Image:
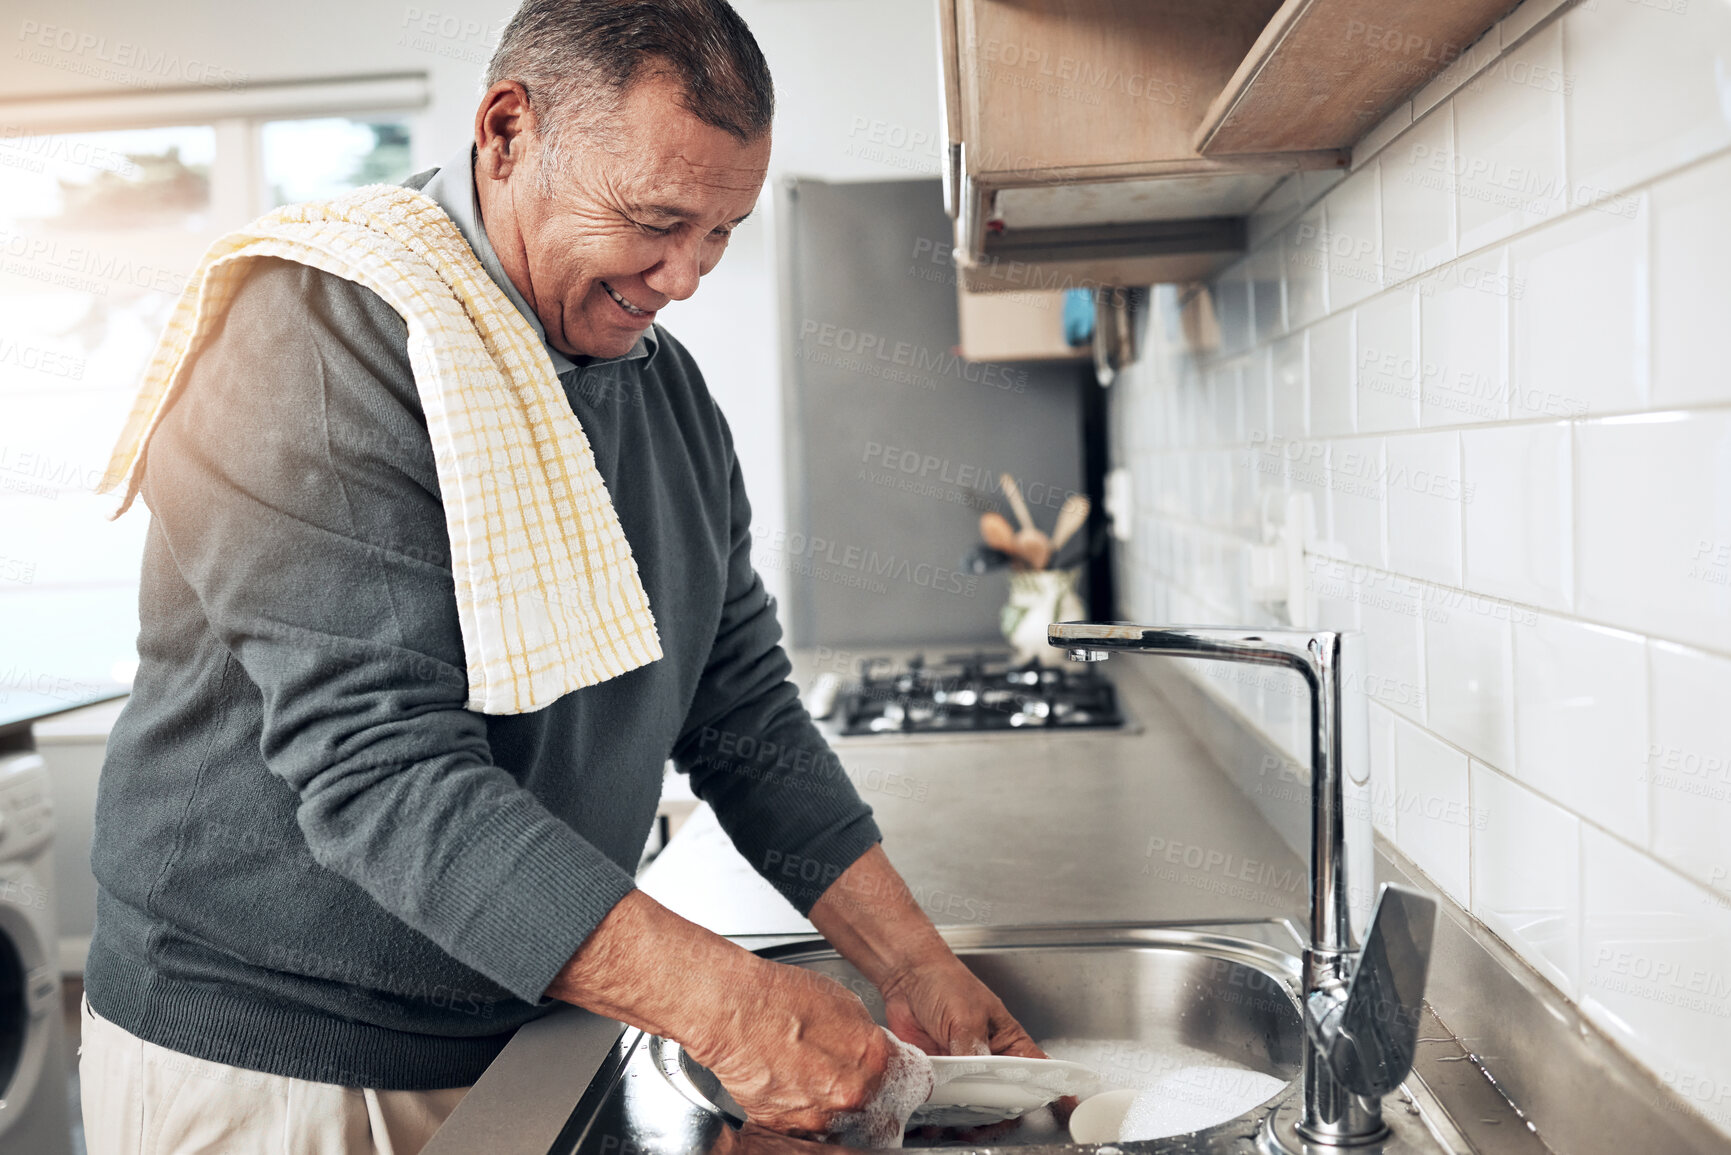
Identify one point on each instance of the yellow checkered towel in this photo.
(548, 595)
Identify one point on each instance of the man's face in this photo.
(635, 221)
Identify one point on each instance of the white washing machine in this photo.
(33, 1083)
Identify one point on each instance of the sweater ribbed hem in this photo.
(225, 1025)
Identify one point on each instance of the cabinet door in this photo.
(1015, 327)
(1055, 88)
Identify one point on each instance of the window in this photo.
(307, 160)
(99, 232)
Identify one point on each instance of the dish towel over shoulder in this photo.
(548, 595)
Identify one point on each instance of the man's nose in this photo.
(680, 269)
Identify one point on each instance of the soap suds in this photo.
(907, 1083)
(1192, 1098)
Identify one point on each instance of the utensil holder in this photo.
(1037, 599)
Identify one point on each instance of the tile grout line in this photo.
(1643, 186)
(1716, 897)
(1561, 615)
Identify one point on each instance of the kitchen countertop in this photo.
(1007, 829)
(1021, 827)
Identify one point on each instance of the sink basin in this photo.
(1134, 1002)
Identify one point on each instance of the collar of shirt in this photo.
(453, 187)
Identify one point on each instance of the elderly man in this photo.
(329, 891)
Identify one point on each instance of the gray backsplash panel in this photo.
(893, 441)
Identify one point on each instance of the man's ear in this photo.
(504, 116)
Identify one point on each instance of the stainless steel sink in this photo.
(1146, 994)
(1228, 990)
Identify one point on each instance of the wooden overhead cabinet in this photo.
(1015, 327)
(1123, 142)
(1324, 72)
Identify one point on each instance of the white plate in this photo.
(971, 1091)
(1178, 1103)
(1099, 1119)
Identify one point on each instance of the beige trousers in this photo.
(142, 1099)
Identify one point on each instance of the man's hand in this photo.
(941, 1008)
(931, 999)
(806, 1050)
(793, 1047)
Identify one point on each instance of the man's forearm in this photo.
(646, 966)
(873, 919)
(931, 999)
(649, 967)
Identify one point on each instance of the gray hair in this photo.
(576, 58)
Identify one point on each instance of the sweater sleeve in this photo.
(295, 487)
(754, 754)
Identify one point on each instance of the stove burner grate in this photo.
(972, 693)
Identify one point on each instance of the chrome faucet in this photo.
(1364, 973)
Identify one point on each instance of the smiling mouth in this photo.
(624, 304)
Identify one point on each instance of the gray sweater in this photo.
(312, 860)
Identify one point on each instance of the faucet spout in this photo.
(1342, 1106)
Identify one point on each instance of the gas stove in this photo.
(970, 693)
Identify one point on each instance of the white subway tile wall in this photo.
(1433, 821)
(1425, 496)
(1526, 877)
(1463, 335)
(1469, 671)
(1581, 720)
(1518, 532)
(1418, 203)
(1494, 356)
(1576, 353)
(1691, 251)
(1386, 361)
(1509, 142)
